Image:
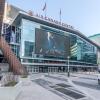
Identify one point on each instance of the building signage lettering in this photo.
(53, 21)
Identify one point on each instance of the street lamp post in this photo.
(68, 67)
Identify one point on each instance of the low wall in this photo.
(8, 77)
(10, 93)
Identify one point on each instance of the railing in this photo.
(14, 64)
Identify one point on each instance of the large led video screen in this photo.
(51, 44)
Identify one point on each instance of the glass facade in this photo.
(12, 35)
(96, 39)
(41, 47)
(28, 48)
(28, 38)
(80, 49)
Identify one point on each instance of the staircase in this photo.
(14, 63)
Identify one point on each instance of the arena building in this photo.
(43, 44)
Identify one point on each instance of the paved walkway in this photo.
(52, 87)
(35, 92)
(59, 87)
(87, 83)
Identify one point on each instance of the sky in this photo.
(84, 15)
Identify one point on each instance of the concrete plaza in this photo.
(54, 86)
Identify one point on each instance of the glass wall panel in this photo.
(81, 50)
(28, 37)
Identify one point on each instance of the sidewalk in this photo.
(92, 76)
(52, 87)
(87, 83)
(34, 91)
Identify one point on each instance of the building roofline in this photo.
(95, 35)
(51, 24)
